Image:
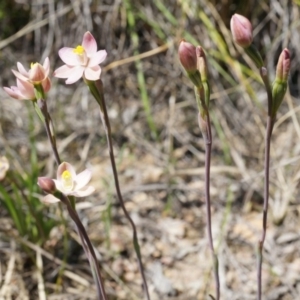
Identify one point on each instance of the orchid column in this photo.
(241, 29)
(83, 61)
(193, 60)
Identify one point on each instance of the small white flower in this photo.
(70, 183)
(82, 61)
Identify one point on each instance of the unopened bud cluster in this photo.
(194, 61)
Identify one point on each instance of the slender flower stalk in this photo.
(194, 61)
(241, 29)
(96, 89)
(205, 126)
(51, 187)
(87, 245)
(83, 61)
(275, 95)
(268, 135)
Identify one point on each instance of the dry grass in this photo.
(161, 178)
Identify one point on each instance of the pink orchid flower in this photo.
(26, 80)
(37, 74)
(67, 182)
(82, 61)
(4, 166)
(23, 91)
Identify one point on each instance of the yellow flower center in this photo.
(33, 64)
(79, 50)
(67, 180)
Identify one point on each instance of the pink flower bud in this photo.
(202, 63)
(47, 184)
(283, 65)
(187, 56)
(37, 73)
(241, 30)
(280, 85)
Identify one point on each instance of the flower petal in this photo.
(68, 56)
(49, 199)
(13, 92)
(89, 43)
(92, 73)
(46, 85)
(76, 75)
(26, 89)
(97, 58)
(46, 66)
(58, 185)
(63, 72)
(82, 179)
(20, 75)
(83, 192)
(63, 167)
(37, 73)
(21, 69)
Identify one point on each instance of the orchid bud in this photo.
(37, 73)
(202, 63)
(280, 83)
(38, 76)
(47, 184)
(203, 69)
(188, 59)
(283, 65)
(241, 30)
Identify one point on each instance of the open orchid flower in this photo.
(4, 166)
(81, 61)
(67, 182)
(37, 74)
(23, 91)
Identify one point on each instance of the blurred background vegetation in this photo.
(159, 149)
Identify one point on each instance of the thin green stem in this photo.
(269, 129)
(42, 106)
(106, 124)
(264, 76)
(90, 253)
(205, 127)
(70, 203)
